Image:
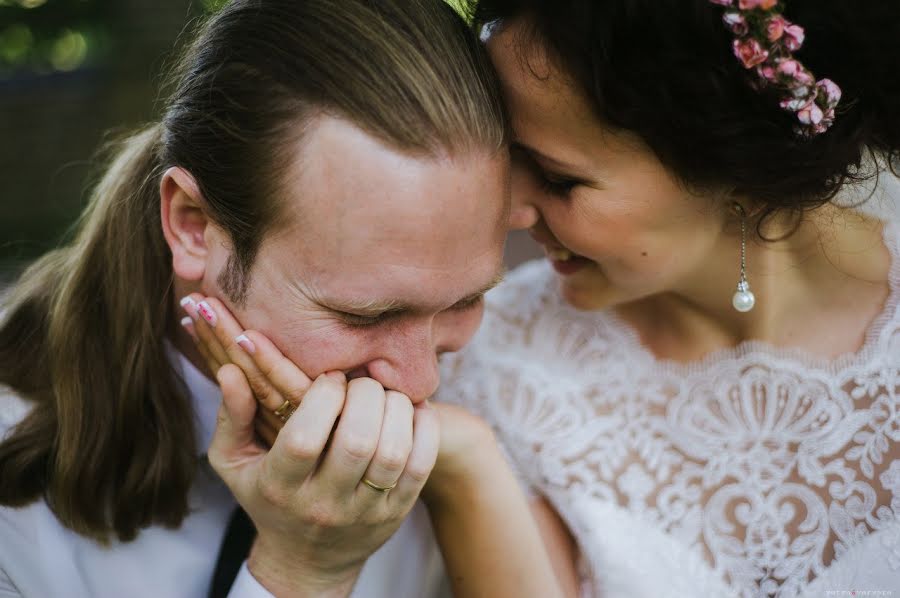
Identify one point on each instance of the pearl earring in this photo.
(743, 299)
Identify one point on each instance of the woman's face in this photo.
(615, 223)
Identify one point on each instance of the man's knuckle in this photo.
(322, 514)
(273, 493)
(418, 474)
(391, 459)
(301, 447)
(357, 446)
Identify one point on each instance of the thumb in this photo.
(234, 440)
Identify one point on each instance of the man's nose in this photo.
(410, 368)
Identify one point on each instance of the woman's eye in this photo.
(557, 185)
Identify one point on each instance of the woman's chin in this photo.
(588, 290)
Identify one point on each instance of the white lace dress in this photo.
(756, 472)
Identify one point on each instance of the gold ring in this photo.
(374, 486)
(285, 411)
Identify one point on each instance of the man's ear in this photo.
(184, 223)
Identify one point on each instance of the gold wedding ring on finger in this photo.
(285, 411)
(378, 488)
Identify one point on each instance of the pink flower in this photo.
(796, 104)
(775, 28)
(808, 112)
(793, 37)
(789, 67)
(827, 121)
(736, 22)
(794, 70)
(749, 52)
(831, 91)
(723, 2)
(763, 4)
(766, 72)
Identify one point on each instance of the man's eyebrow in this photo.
(378, 307)
(497, 279)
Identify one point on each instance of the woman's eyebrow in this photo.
(556, 162)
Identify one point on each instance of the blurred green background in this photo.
(73, 72)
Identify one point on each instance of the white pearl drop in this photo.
(743, 301)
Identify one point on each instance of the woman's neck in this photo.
(817, 290)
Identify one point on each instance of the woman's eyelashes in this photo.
(358, 321)
(552, 184)
(556, 185)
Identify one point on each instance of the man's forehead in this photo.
(346, 181)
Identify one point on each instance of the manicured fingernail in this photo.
(208, 314)
(190, 306)
(188, 324)
(245, 343)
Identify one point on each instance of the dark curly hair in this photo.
(664, 70)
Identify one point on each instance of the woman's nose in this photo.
(522, 213)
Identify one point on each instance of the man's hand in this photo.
(317, 519)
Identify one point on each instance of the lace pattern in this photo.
(759, 468)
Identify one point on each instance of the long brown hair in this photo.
(108, 443)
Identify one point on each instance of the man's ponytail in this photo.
(89, 320)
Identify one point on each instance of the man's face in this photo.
(381, 260)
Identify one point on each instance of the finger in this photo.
(300, 442)
(280, 372)
(240, 350)
(356, 436)
(187, 322)
(266, 432)
(234, 448)
(422, 457)
(205, 329)
(394, 445)
(270, 419)
(190, 323)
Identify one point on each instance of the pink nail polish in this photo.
(188, 325)
(208, 314)
(190, 306)
(245, 343)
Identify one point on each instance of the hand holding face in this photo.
(340, 476)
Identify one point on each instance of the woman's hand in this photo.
(314, 496)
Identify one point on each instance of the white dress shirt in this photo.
(39, 558)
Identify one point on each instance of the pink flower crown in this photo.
(764, 39)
